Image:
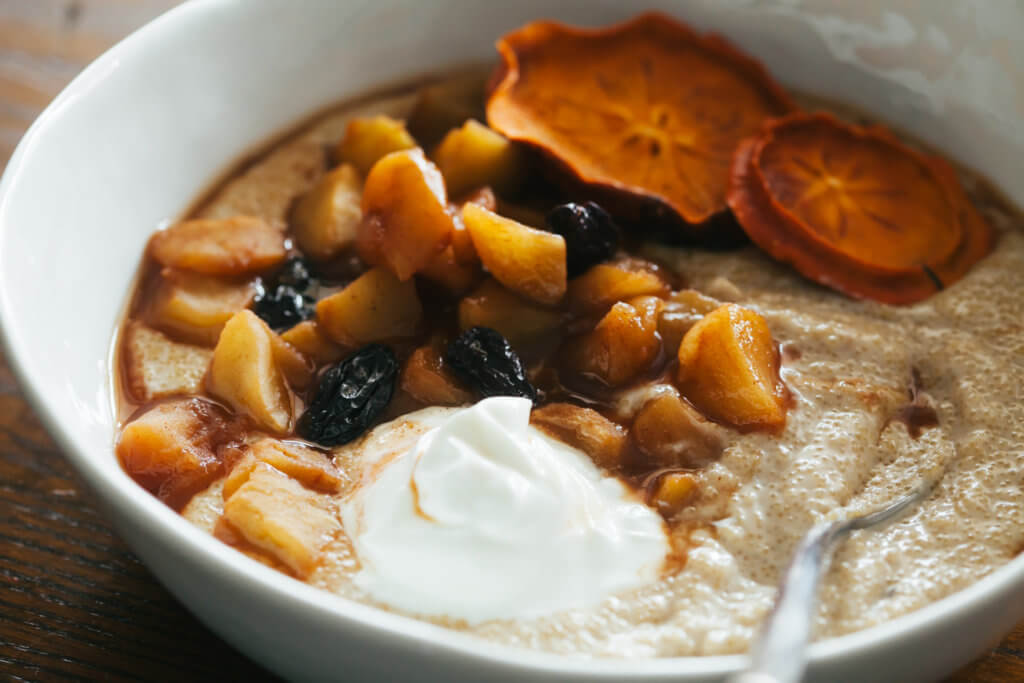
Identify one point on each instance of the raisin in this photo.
(286, 299)
(591, 235)
(486, 361)
(295, 273)
(350, 396)
(282, 307)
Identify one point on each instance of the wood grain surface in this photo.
(75, 603)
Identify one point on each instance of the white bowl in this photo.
(151, 123)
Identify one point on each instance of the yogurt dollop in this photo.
(485, 517)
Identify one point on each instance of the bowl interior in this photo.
(148, 126)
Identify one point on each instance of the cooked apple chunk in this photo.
(268, 187)
(426, 379)
(519, 321)
(462, 243)
(244, 373)
(671, 433)
(310, 340)
(173, 449)
(156, 367)
(368, 139)
(446, 271)
(682, 310)
(623, 345)
(324, 221)
(277, 514)
(474, 155)
(672, 492)
(311, 468)
(375, 307)
(585, 429)
(606, 283)
(231, 246)
(729, 369)
(405, 214)
(296, 368)
(195, 307)
(528, 261)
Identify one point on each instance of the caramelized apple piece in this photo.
(426, 379)
(405, 214)
(606, 283)
(519, 321)
(311, 468)
(268, 188)
(585, 429)
(445, 270)
(195, 307)
(309, 339)
(294, 365)
(156, 367)
(229, 246)
(276, 514)
(682, 310)
(729, 369)
(672, 492)
(172, 450)
(368, 139)
(376, 306)
(442, 106)
(694, 301)
(528, 261)
(623, 345)
(462, 243)
(669, 432)
(245, 375)
(324, 221)
(474, 155)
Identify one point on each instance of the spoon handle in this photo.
(779, 654)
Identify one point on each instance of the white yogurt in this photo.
(485, 517)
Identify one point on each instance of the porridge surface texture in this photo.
(848, 365)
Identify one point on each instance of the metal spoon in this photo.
(779, 653)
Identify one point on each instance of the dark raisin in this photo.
(282, 307)
(487, 362)
(591, 235)
(350, 396)
(295, 273)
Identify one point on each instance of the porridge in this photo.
(570, 353)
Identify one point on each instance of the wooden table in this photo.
(74, 601)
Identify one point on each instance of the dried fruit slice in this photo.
(854, 209)
(648, 108)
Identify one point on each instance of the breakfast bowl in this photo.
(146, 128)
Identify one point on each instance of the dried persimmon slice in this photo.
(854, 209)
(647, 109)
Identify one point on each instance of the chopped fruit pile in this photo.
(429, 264)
